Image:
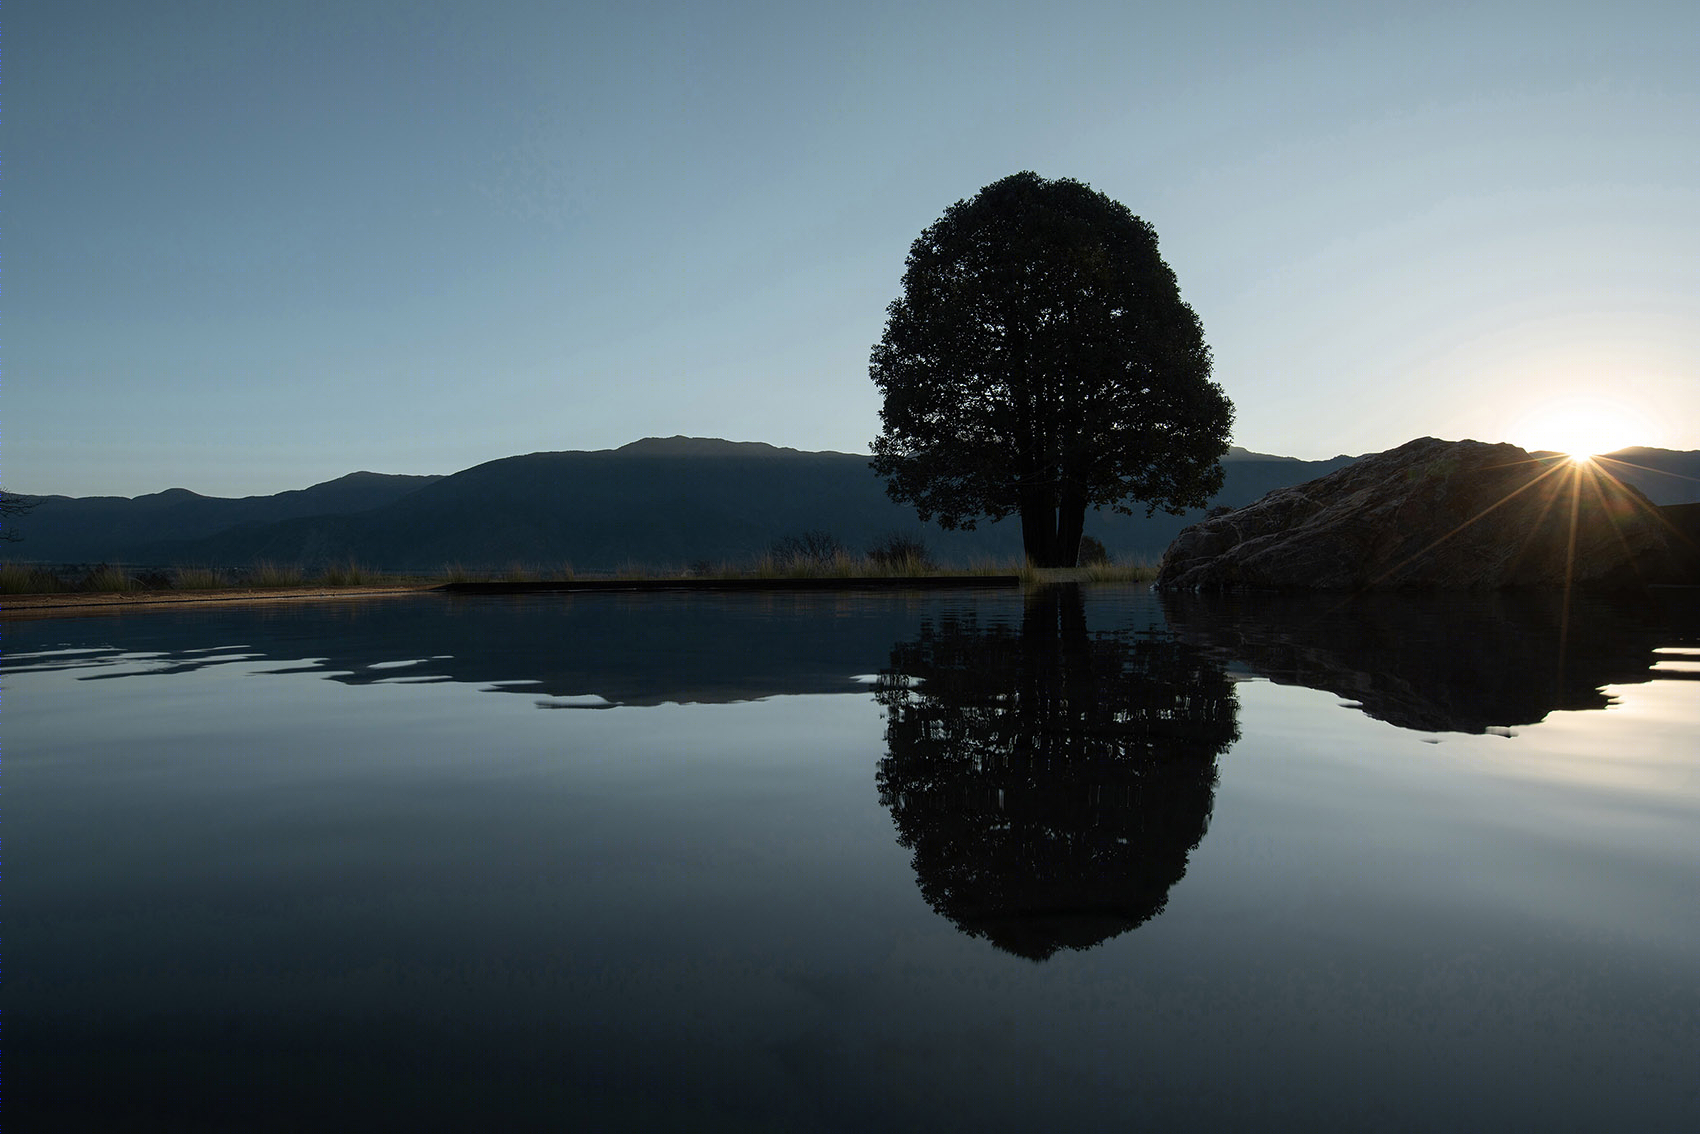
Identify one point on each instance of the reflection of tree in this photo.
(1051, 783)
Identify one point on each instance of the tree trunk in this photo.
(1050, 533)
(1038, 527)
(1071, 523)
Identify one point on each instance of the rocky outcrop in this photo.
(1433, 515)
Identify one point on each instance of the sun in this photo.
(1581, 427)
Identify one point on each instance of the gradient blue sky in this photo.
(252, 246)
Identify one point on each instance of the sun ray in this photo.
(1603, 458)
(1589, 470)
(1599, 477)
(1546, 508)
(1611, 514)
(1576, 471)
(1581, 427)
(1556, 467)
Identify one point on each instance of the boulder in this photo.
(1433, 514)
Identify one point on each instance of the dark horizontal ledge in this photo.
(867, 583)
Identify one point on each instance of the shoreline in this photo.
(99, 601)
(53, 604)
(780, 583)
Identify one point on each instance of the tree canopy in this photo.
(1041, 361)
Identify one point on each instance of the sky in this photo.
(252, 247)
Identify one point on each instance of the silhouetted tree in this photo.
(1041, 361)
(1051, 783)
(12, 505)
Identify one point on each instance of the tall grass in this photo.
(1133, 572)
(347, 574)
(198, 579)
(21, 579)
(840, 564)
(845, 565)
(268, 574)
(18, 578)
(991, 567)
(108, 578)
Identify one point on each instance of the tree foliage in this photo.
(1041, 361)
(11, 504)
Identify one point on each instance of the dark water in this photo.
(809, 862)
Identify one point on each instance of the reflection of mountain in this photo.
(1443, 663)
(575, 650)
(1050, 782)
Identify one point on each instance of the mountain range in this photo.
(657, 502)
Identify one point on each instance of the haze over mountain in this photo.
(1667, 476)
(657, 502)
(73, 529)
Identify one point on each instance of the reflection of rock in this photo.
(1683, 525)
(1050, 783)
(1442, 662)
(1431, 514)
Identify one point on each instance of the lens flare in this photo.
(1581, 428)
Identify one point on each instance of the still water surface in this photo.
(1074, 860)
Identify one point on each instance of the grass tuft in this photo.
(108, 578)
(1140, 572)
(268, 574)
(20, 579)
(348, 574)
(198, 579)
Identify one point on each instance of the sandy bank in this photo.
(95, 601)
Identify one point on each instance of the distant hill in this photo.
(656, 502)
(71, 529)
(670, 501)
(1667, 476)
